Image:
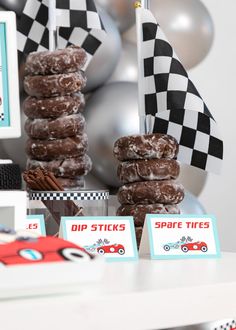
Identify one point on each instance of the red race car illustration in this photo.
(196, 246)
(28, 250)
(115, 248)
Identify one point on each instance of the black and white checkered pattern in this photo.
(33, 34)
(78, 23)
(65, 195)
(81, 13)
(89, 39)
(197, 135)
(172, 103)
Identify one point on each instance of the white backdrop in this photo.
(215, 79)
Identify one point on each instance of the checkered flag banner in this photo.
(89, 39)
(78, 23)
(170, 101)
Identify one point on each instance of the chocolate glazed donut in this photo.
(62, 127)
(47, 150)
(65, 168)
(147, 170)
(53, 107)
(151, 192)
(66, 60)
(146, 147)
(139, 211)
(55, 85)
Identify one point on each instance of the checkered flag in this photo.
(172, 103)
(89, 39)
(78, 23)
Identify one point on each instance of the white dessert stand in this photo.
(13, 206)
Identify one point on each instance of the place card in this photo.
(35, 224)
(13, 206)
(180, 236)
(112, 237)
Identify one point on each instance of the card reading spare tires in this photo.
(180, 236)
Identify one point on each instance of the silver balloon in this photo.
(193, 179)
(191, 205)
(106, 58)
(188, 26)
(122, 11)
(127, 67)
(111, 112)
(15, 148)
(15, 5)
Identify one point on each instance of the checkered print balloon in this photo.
(172, 103)
(78, 23)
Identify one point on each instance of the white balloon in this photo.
(188, 26)
(127, 67)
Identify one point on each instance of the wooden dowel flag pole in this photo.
(52, 25)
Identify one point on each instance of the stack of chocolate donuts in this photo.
(148, 170)
(55, 126)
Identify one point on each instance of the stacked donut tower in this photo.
(55, 126)
(148, 170)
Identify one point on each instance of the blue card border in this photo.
(133, 235)
(5, 83)
(41, 220)
(182, 216)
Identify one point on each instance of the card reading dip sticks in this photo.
(112, 237)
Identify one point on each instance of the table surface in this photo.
(135, 295)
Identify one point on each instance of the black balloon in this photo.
(15, 5)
